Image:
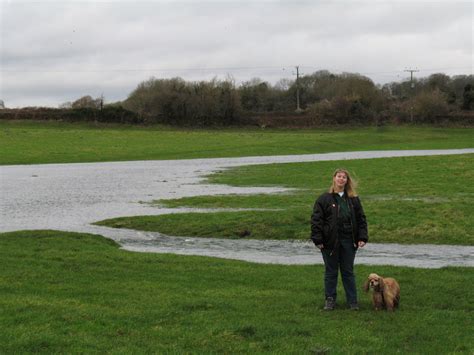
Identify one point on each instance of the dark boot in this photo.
(330, 304)
(354, 306)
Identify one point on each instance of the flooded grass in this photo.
(412, 200)
(79, 293)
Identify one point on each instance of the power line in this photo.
(385, 72)
(213, 69)
(142, 70)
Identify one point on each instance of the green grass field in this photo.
(24, 142)
(415, 200)
(78, 293)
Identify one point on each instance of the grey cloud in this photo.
(114, 45)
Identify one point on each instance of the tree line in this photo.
(325, 98)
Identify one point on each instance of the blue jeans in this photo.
(342, 258)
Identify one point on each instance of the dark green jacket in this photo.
(324, 221)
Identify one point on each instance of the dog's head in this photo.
(374, 282)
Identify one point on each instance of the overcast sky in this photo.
(57, 51)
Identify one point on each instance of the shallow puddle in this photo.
(288, 252)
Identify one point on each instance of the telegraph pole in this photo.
(298, 108)
(412, 86)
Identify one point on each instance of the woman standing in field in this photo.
(338, 229)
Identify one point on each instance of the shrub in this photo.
(108, 114)
(341, 110)
(429, 105)
(176, 101)
(87, 102)
(468, 98)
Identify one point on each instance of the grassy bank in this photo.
(78, 293)
(406, 200)
(24, 142)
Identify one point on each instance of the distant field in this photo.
(74, 293)
(410, 200)
(25, 142)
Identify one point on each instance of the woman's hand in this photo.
(361, 244)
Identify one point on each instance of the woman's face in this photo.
(340, 180)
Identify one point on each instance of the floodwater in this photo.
(70, 197)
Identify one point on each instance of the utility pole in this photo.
(412, 86)
(298, 108)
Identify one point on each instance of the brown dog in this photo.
(386, 292)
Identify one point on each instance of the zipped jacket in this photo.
(324, 221)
